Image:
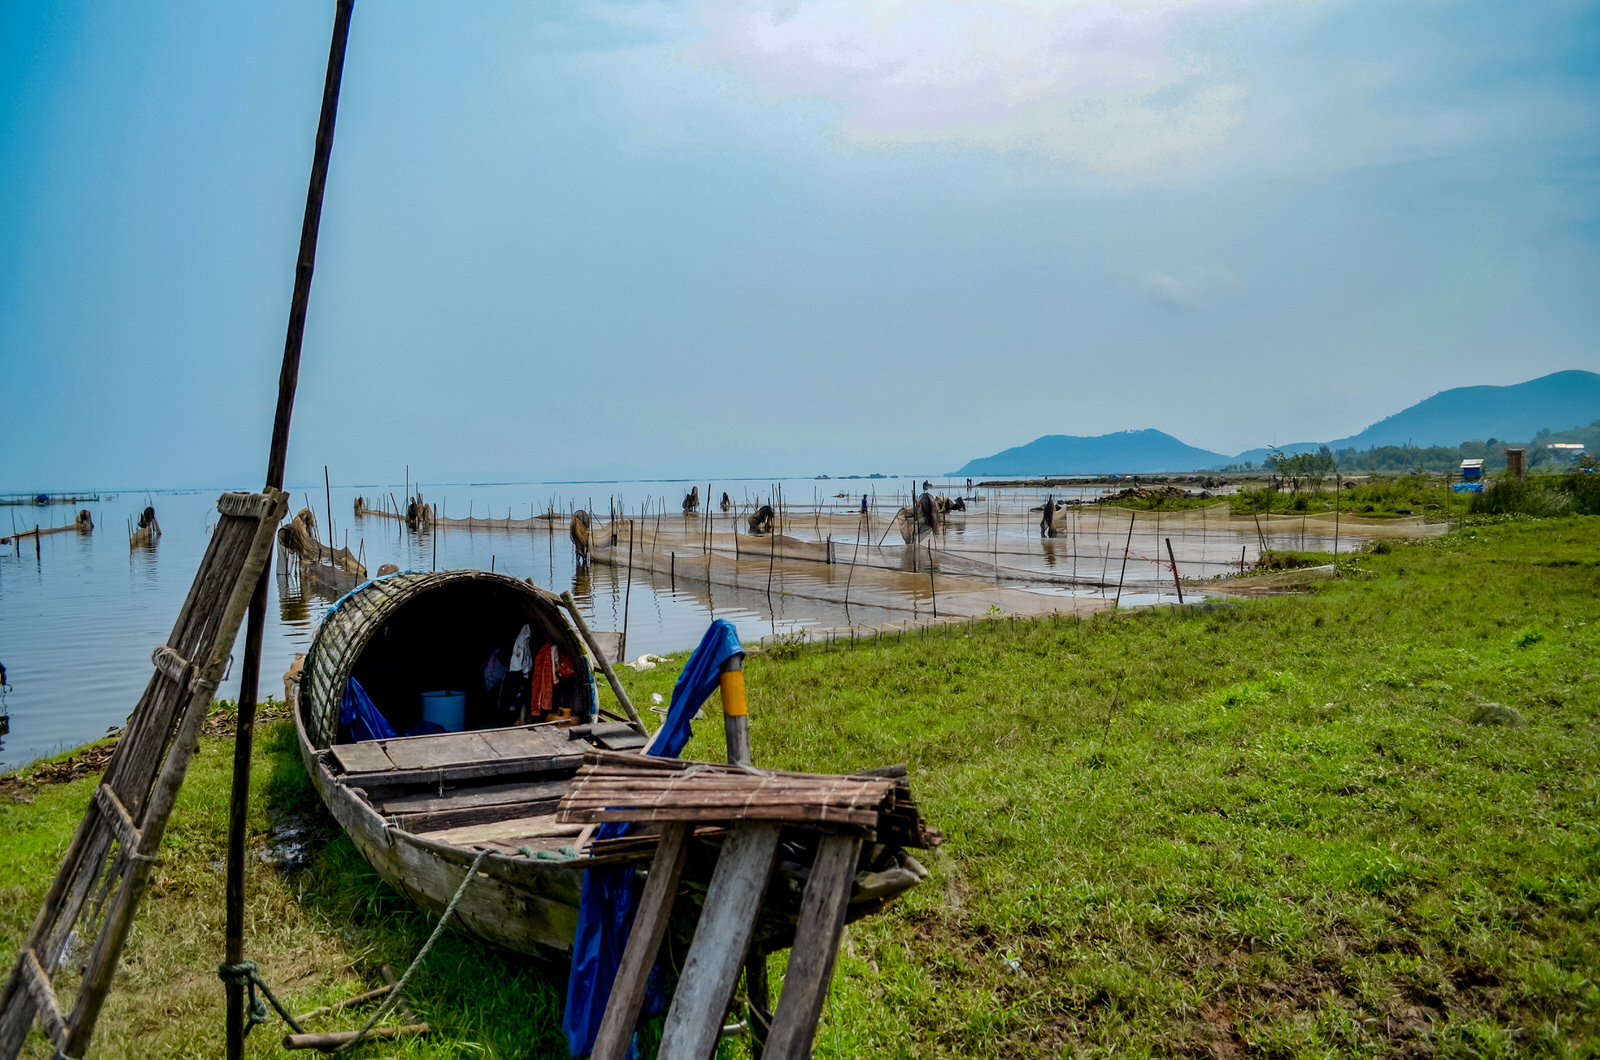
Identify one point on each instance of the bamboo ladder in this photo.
(107, 867)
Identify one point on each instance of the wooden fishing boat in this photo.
(421, 808)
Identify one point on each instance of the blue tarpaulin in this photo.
(361, 717)
(605, 910)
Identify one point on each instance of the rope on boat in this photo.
(395, 994)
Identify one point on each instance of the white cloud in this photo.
(1190, 291)
(1106, 84)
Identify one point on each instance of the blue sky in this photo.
(825, 236)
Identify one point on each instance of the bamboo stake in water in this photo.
(1125, 548)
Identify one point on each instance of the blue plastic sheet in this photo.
(361, 717)
(605, 909)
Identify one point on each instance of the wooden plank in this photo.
(367, 757)
(520, 828)
(816, 947)
(644, 943)
(859, 819)
(44, 996)
(528, 743)
(733, 902)
(248, 505)
(500, 767)
(461, 817)
(436, 752)
(121, 820)
(487, 795)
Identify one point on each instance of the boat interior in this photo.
(489, 782)
(494, 788)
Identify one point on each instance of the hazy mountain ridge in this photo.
(1555, 402)
(1134, 452)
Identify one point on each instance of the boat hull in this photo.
(526, 905)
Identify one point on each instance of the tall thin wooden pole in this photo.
(1127, 545)
(288, 379)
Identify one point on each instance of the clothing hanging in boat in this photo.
(522, 652)
(549, 666)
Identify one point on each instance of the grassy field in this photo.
(1361, 821)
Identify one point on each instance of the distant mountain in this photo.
(1555, 402)
(1126, 452)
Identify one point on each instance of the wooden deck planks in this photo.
(361, 757)
(436, 752)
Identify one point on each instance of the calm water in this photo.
(78, 620)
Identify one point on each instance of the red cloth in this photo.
(549, 666)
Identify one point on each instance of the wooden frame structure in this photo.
(107, 868)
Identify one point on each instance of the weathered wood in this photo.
(816, 946)
(246, 506)
(121, 820)
(486, 796)
(614, 787)
(436, 752)
(140, 784)
(859, 819)
(502, 767)
(436, 821)
(721, 940)
(367, 757)
(328, 1041)
(526, 742)
(44, 996)
(644, 943)
(526, 905)
(519, 828)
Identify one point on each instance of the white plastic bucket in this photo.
(448, 710)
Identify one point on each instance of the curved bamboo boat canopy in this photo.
(412, 632)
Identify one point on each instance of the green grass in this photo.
(1386, 495)
(1361, 821)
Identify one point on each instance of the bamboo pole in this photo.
(605, 664)
(288, 379)
(1125, 548)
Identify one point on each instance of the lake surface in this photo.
(80, 616)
